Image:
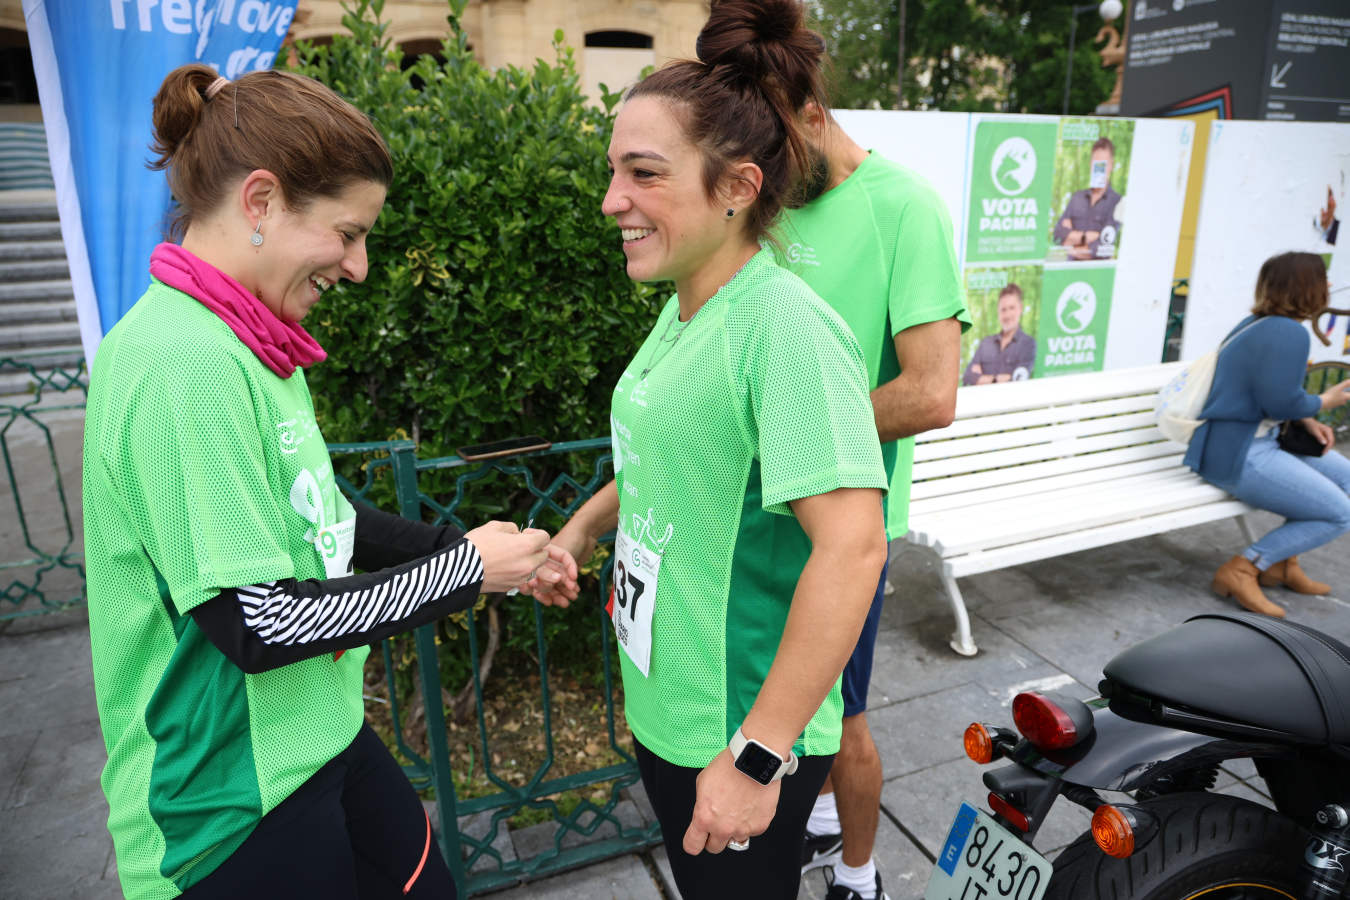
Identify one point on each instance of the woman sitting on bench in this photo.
(1258, 384)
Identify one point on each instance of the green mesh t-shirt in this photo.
(203, 470)
(718, 423)
(878, 248)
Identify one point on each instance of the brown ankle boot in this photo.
(1290, 574)
(1237, 579)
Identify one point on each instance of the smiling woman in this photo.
(228, 629)
(747, 497)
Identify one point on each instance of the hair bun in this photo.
(753, 34)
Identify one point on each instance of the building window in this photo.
(629, 40)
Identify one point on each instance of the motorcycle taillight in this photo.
(1051, 722)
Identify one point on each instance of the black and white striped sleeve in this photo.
(266, 626)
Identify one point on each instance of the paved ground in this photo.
(1050, 624)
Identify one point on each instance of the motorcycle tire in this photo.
(1208, 845)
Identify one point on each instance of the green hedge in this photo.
(497, 303)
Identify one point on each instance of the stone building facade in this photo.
(613, 39)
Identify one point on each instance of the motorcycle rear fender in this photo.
(1124, 755)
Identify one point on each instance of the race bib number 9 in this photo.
(335, 544)
(635, 573)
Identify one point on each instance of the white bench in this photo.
(1034, 469)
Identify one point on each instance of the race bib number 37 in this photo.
(635, 573)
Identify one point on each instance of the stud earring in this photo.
(256, 238)
(730, 212)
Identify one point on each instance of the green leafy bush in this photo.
(497, 303)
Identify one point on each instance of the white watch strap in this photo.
(738, 742)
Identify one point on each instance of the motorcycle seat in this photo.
(1246, 669)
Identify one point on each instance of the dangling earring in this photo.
(256, 238)
(730, 212)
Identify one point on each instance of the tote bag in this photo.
(1177, 407)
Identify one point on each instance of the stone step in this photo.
(42, 270)
(30, 291)
(30, 231)
(32, 251)
(44, 335)
(31, 313)
(28, 212)
(65, 356)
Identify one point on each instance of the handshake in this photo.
(526, 560)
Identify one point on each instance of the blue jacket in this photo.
(1259, 375)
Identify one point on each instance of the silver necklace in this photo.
(666, 338)
(668, 341)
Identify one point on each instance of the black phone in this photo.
(508, 447)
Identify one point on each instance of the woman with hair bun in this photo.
(747, 497)
(228, 629)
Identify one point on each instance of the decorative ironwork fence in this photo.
(479, 857)
(48, 575)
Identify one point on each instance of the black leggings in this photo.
(770, 869)
(355, 830)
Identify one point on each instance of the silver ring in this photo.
(739, 845)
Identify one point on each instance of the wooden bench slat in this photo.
(1031, 436)
(1027, 418)
(987, 399)
(1065, 449)
(1051, 515)
(976, 480)
(1027, 517)
(1158, 467)
(988, 561)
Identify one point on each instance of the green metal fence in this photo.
(36, 521)
(588, 832)
(42, 469)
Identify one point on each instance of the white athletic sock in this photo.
(862, 879)
(824, 816)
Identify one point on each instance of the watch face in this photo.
(759, 762)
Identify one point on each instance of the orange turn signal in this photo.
(1112, 831)
(979, 745)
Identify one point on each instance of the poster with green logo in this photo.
(1004, 305)
(1075, 312)
(1010, 183)
(1092, 172)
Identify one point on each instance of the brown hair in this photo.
(758, 66)
(1104, 143)
(1294, 285)
(316, 143)
(1013, 287)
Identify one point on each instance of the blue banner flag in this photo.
(99, 64)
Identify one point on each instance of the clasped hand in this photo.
(513, 558)
(728, 805)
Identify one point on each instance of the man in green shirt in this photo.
(875, 241)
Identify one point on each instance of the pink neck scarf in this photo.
(281, 345)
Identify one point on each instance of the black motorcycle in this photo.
(1219, 687)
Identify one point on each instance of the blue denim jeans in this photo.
(1311, 492)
